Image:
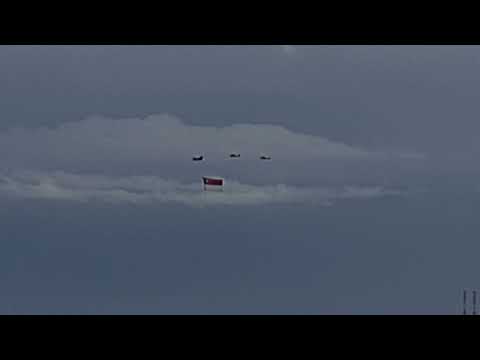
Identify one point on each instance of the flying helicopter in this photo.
(198, 158)
(264, 157)
(234, 156)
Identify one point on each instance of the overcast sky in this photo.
(368, 204)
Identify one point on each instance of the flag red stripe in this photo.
(215, 182)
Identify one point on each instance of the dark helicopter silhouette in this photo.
(234, 156)
(198, 158)
(263, 157)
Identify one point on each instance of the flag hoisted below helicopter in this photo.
(213, 183)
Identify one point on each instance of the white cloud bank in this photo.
(289, 49)
(143, 189)
(41, 163)
(163, 138)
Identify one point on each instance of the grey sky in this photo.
(361, 95)
(368, 206)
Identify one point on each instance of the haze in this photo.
(367, 207)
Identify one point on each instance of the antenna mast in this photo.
(474, 302)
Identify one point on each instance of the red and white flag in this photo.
(212, 183)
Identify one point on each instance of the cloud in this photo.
(147, 189)
(163, 145)
(289, 49)
(164, 138)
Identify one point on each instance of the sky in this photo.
(367, 207)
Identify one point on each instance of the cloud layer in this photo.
(98, 142)
(164, 137)
(144, 189)
(149, 159)
(289, 49)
